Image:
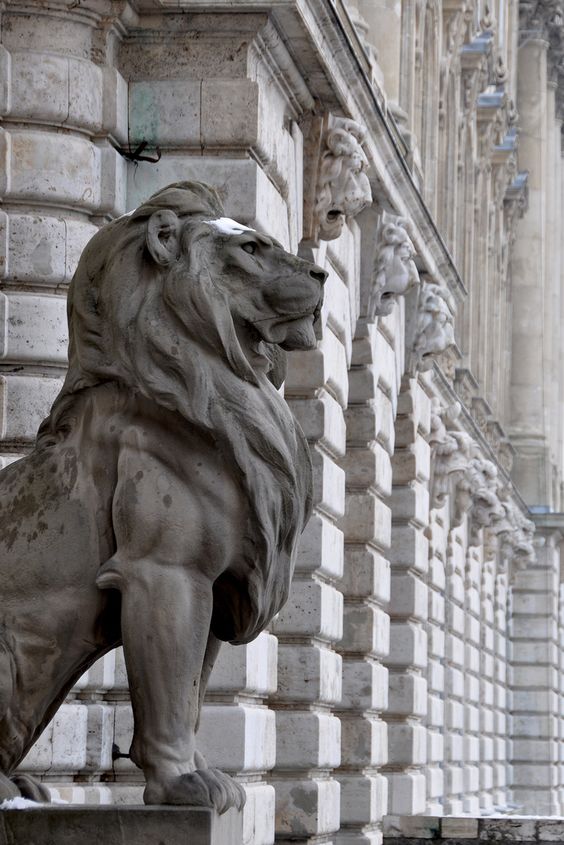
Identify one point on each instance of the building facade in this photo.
(413, 149)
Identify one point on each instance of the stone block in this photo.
(64, 168)
(364, 741)
(437, 645)
(409, 596)
(366, 629)
(165, 113)
(307, 740)
(407, 695)
(238, 738)
(406, 793)
(407, 744)
(322, 421)
(86, 86)
(70, 731)
(57, 825)
(306, 807)
(435, 710)
(364, 798)
(39, 86)
(309, 673)
(411, 502)
(328, 484)
(367, 520)
(408, 645)
(410, 549)
(459, 828)
(435, 750)
(369, 467)
(366, 574)
(33, 329)
(258, 814)
(24, 403)
(365, 685)
(248, 669)
(321, 548)
(229, 112)
(313, 609)
(436, 606)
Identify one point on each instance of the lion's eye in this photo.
(249, 247)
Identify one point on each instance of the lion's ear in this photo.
(163, 229)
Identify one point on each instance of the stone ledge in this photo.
(419, 830)
(116, 825)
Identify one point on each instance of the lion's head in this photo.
(394, 268)
(191, 310)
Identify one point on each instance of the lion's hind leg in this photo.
(19, 785)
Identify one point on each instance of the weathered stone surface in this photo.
(129, 453)
(59, 825)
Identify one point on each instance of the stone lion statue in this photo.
(162, 504)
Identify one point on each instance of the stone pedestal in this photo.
(116, 825)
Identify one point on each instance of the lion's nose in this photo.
(318, 274)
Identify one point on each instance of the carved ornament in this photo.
(343, 188)
(394, 267)
(434, 324)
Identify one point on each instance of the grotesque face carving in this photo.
(394, 268)
(343, 188)
(434, 329)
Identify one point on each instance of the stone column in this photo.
(485, 728)
(535, 659)
(407, 660)
(501, 769)
(466, 621)
(308, 733)
(59, 104)
(531, 472)
(366, 586)
(436, 704)
(454, 671)
(63, 107)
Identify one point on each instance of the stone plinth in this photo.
(115, 825)
(404, 830)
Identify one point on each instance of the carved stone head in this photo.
(394, 268)
(434, 331)
(343, 188)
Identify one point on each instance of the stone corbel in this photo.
(394, 267)
(430, 326)
(451, 452)
(336, 184)
(514, 532)
(486, 508)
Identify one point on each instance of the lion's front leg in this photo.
(166, 614)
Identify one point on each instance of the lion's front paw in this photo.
(202, 788)
(23, 786)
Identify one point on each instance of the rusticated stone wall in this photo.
(418, 666)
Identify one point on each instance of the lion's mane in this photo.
(125, 327)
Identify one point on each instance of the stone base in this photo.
(114, 825)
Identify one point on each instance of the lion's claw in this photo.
(202, 788)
